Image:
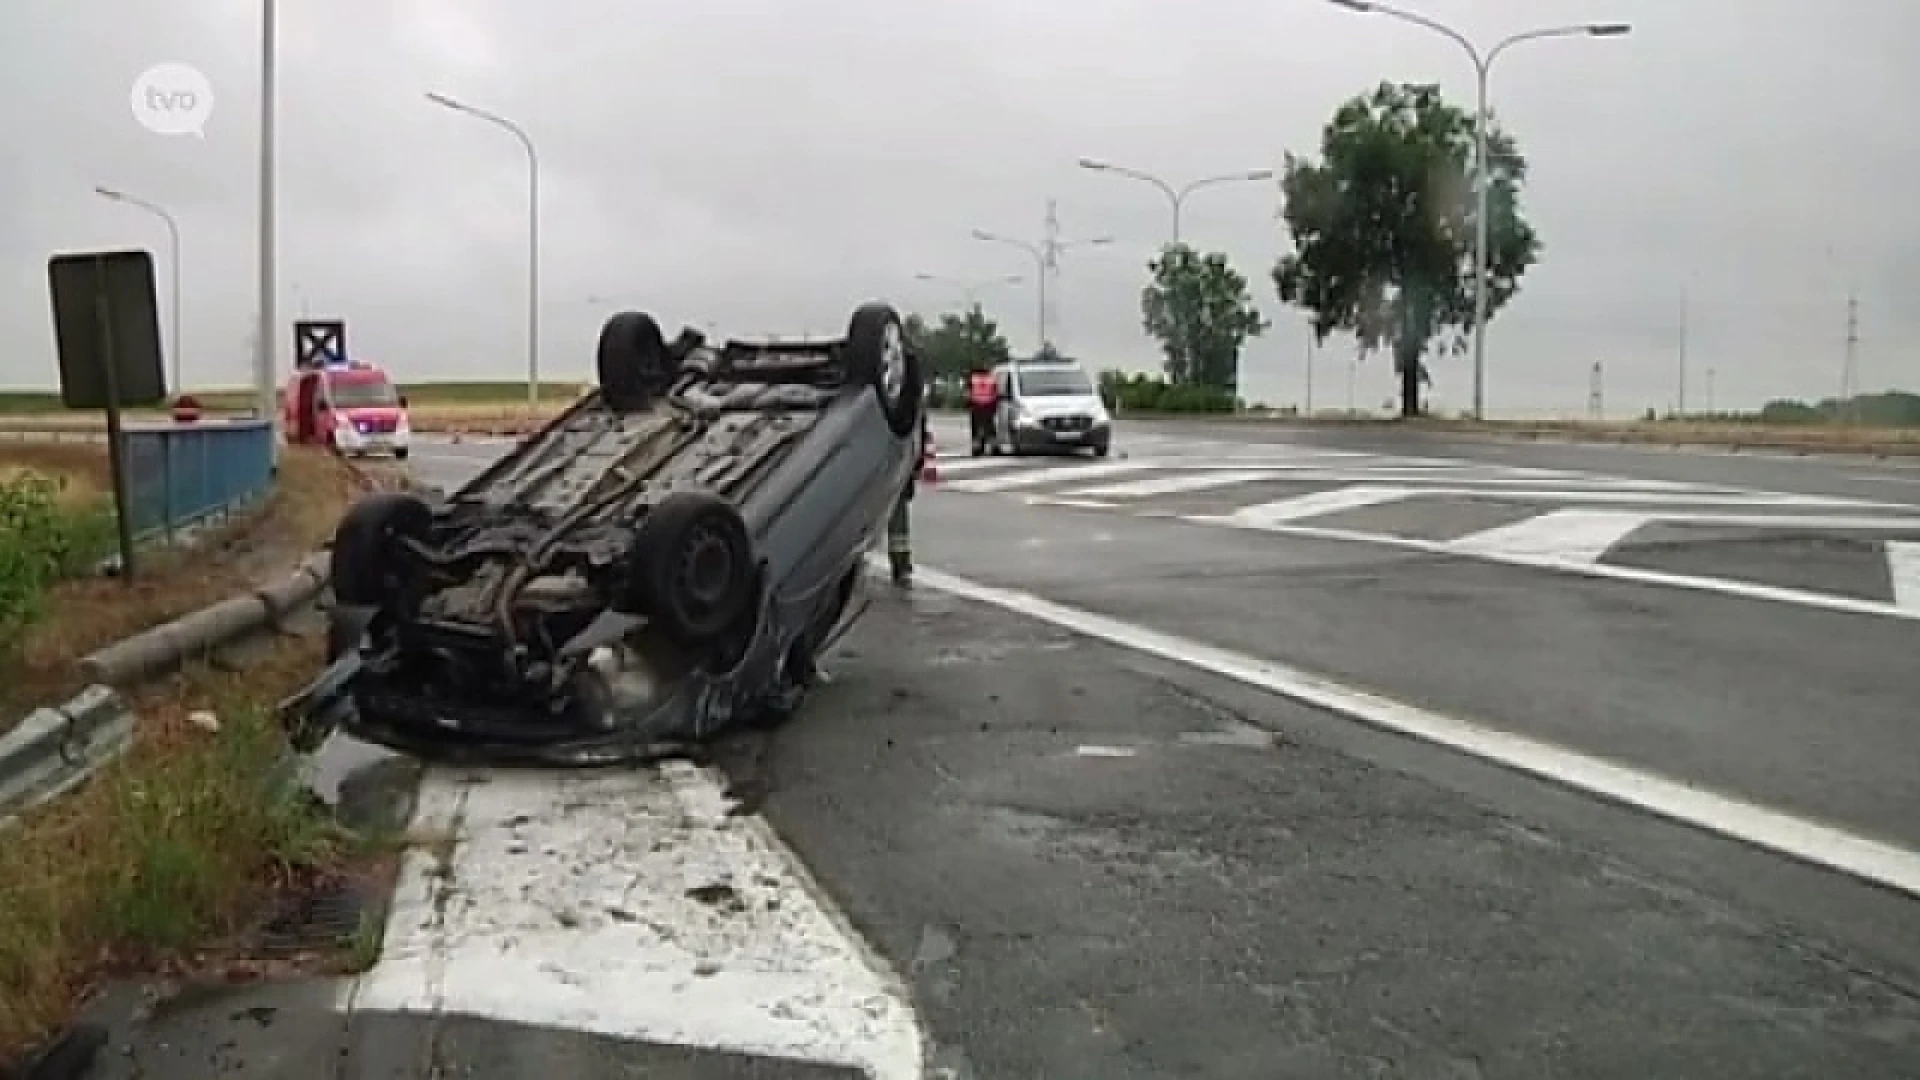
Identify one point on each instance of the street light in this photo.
(1481, 65)
(1045, 257)
(266, 403)
(173, 237)
(533, 233)
(970, 289)
(1176, 196)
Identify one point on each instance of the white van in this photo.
(1049, 406)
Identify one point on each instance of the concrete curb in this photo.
(55, 749)
(162, 649)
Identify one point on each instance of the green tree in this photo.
(1198, 308)
(1383, 227)
(961, 343)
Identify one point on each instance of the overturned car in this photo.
(669, 555)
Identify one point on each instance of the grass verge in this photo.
(169, 852)
(62, 613)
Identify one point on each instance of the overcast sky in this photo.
(766, 166)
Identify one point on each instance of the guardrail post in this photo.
(167, 510)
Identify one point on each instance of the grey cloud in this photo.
(767, 165)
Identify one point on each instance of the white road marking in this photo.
(1104, 751)
(1061, 500)
(1741, 589)
(963, 464)
(1316, 504)
(627, 903)
(1903, 567)
(1038, 477)
(1360, 495)
(1831, 522)
(1872, 478)
(1656, 498)
(1177, 483)
(1578, 535)
(1453, 481)
(1797, 837)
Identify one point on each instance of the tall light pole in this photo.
(533, 234)
(970, 290)
(1482, 64)
(265, 334)
(173, 258)
(1046, 257)
(1177, 196)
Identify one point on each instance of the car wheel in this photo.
(367, 567)
(1101, 449)
(633, 361)
(693, 567)
(879, 356)
(400, 454)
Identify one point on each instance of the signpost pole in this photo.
(116, 440)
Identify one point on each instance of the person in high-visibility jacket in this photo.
(983, 399)
(900, 522)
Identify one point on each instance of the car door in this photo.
(1005, 409)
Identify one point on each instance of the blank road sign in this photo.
(125, 280)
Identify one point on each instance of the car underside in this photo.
(668, 556)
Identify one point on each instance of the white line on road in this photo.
(963, 464)
(1829, 522)
(1741, 589)
(1361, 495)
(1062, 500)
(1177, 483)
(629, 903)
(1038, 477)
(1801, 838)
(1587, 535)
(1903, 567)
(1578, 535)
(1316, 504)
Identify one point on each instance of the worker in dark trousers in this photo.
(900, 522)
(983, 399)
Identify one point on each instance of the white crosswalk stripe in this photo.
(1555, 519)
(1176, 483)
(1042, 477)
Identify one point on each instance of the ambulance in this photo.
(351, 407)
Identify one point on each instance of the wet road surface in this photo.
(1037, 853)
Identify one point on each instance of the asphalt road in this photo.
(1131, 786)
(1858, 476)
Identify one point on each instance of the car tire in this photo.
(365, 564)
(693, 570)
(400, 454)
(633, 361)
(879, 356)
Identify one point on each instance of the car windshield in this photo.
(362, 393)
(1053, 382)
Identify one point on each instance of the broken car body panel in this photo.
(667, 557)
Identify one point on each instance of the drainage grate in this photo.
(327, 916)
